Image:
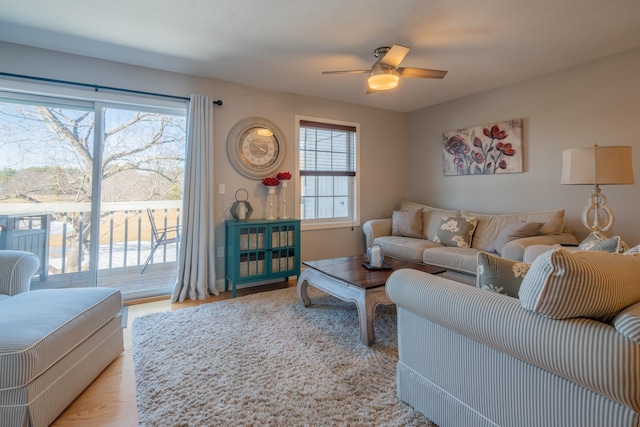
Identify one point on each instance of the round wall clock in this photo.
(255, 147)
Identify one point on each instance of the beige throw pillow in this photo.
(593, 284)
(407, 223)
(430, 217)
(513, 231)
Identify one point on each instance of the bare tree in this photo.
(52, 159)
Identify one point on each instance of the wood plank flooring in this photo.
(111, 399)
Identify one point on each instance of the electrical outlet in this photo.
(221, 189)
(220, 251)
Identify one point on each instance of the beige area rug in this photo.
(265, 360)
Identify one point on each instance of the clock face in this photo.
(255, 148)
(258, 148)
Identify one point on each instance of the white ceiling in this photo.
(285, 44)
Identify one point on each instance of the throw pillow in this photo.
(598, 241)
(633, 251)
(455, 231)
(513, 231)
(561, 284)
(500, 275)
(407, 223)
(627, 322)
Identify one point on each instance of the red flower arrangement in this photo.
(270, 182)
(283, 176)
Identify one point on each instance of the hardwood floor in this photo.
(111, 399)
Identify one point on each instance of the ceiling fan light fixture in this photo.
(383, 78)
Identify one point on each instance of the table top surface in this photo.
(350, 269)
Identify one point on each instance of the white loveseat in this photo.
(53, 343)
(464, 259)
(565, 354)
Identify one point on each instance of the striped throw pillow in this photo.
(627, 322)
(593, 284)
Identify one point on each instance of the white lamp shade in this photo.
(383, 77)
(599, 165)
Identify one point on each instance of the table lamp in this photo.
(597, 165)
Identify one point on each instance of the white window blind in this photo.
(327, 167)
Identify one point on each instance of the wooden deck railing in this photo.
(125, 235)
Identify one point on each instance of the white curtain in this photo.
(196, 265)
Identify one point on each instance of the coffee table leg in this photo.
(366, 312)
(303, 284)
(365, 317)
(366, 300)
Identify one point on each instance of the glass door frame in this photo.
(36, 94)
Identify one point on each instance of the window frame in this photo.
(354, 199)
(60, 96)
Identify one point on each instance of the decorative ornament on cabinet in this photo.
(241, 209)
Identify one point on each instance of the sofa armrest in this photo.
(376, 228)
(16, 271)
(566, 348)
(514, 250)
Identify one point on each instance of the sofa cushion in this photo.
(500, 275)
(407, 223)
(456, 231)
(457, 259)
(430, 217)
(37, 328)
(598, 241)
(561, 284)
(513, 231)
(490, 226)
(404, 247)
(627, 322)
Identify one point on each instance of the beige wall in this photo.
(401, 154)
(595, 103)
(382, 135)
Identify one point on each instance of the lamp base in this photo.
(603, 217)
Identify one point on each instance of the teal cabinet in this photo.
(261, 250)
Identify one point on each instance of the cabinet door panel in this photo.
(252, 238)
(283, 236)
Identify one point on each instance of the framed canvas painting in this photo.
(481, 150)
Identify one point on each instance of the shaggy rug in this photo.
(265, 360)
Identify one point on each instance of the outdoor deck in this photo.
(126, 239)
(128, 279)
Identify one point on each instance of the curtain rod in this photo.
(98, 87)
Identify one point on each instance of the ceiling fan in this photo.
(385, 73)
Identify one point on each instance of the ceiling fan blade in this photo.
(394, 57)
(421, 73)
(347, 72)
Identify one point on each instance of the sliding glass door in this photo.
(142, 180)
(76, 180)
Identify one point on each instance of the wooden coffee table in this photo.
(347, 279)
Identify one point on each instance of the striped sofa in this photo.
(53, 343)
(470, 357)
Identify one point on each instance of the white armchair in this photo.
(16, 270)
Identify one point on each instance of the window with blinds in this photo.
(327, 167)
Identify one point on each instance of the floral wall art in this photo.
(489, 149)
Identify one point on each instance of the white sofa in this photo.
(53, 343)
(474, 358)
(464, 259)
